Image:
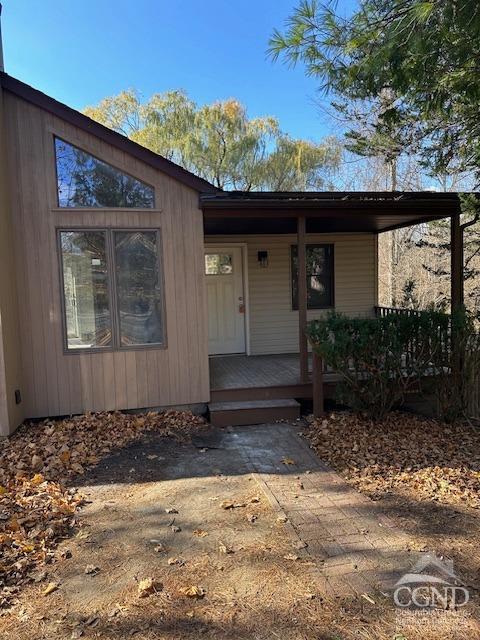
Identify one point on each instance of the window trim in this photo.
(331, 245)
(80, 147)
(111, 288)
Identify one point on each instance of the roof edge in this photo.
(389, 196)
(78, 119)
(441, 204)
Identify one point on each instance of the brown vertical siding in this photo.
(55, 383)
(11, 413)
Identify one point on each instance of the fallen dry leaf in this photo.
(229, 504)
(65, 456)
(223, 548)
(288, 461)
(36, 462)
(77, 468)
(291, 556)
(159, 548)
(50, 588)
(368, 598)
(200, 533)
(91, 570)
(148, 586)
(192, 591)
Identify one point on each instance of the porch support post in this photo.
(456, 255)
(302, 297)
(317, 385)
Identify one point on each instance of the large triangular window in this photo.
(86, 181)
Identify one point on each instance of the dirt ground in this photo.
(192, 518)
(235, 556)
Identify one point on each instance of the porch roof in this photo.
(236, 212)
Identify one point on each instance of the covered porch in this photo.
(272, 375)
(249, 375)
(242, 371)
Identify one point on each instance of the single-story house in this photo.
(127, 282)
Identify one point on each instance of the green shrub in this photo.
(378, 359)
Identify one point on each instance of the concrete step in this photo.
(223, 414)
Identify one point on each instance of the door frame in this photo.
(246, 299)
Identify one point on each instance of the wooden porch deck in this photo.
(240, 371)
(241, 377)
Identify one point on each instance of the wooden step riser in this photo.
(270, 393)
(238, 417)
(261, 393)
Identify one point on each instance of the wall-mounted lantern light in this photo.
(262, 257)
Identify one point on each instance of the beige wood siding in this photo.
(273, 324)
(11, 413)
(55, 383)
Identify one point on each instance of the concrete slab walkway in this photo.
(352, 545)
(355, 547)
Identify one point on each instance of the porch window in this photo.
(112, 294)
(218, 264)
(320, 276)
(86, 181)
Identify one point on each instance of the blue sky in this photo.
(80, 52)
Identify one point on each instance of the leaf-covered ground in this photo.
(37, 509)
(175, 540)
(426, 473)
(439, 462)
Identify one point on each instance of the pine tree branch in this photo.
(470, 223)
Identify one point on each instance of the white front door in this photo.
(226, 303)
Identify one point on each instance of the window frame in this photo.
(80, 147)
(329, 245)
(116, 344)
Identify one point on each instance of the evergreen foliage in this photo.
(381, 360)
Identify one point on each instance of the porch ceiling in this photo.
(237, 212)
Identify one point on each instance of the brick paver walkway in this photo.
(355, 548)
